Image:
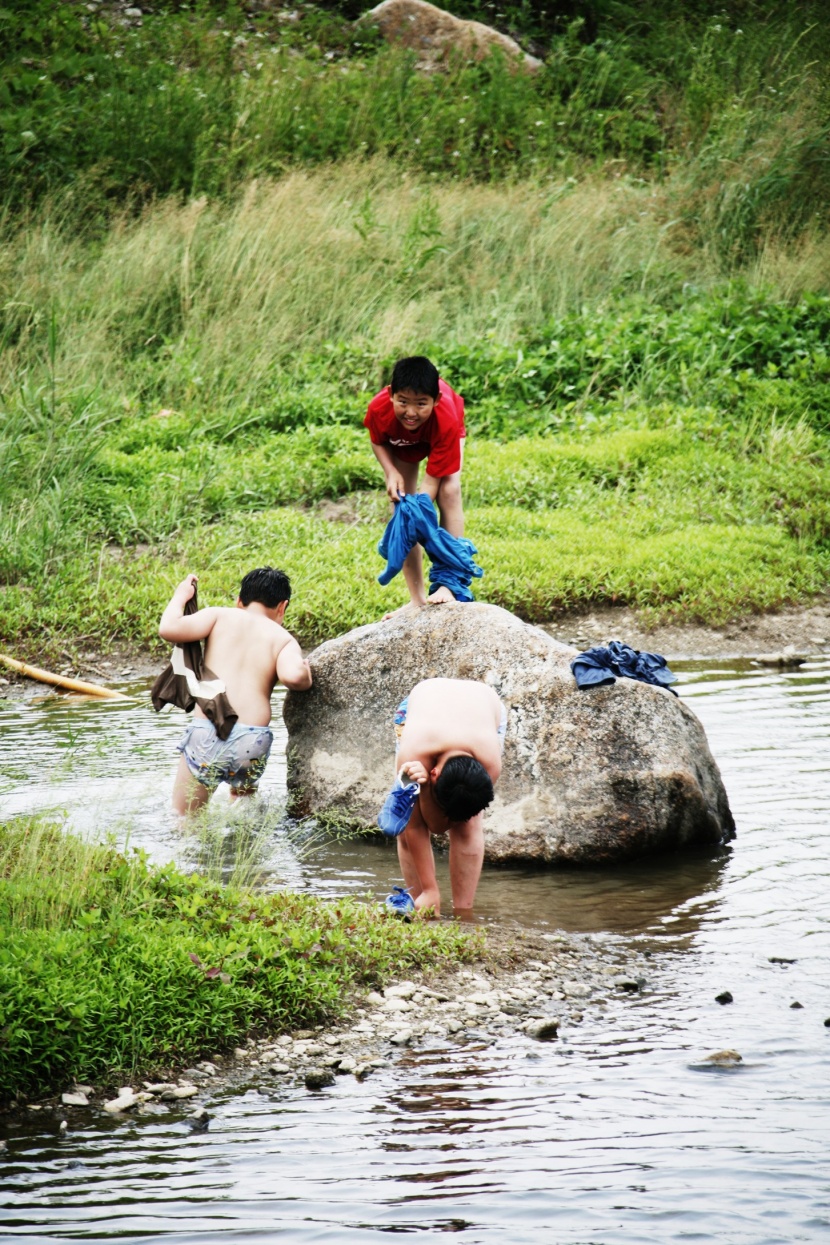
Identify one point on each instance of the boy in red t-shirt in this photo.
(419, 416)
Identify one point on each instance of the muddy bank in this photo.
(528, 986)
(804, 628)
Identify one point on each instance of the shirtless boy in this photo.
(249, 650)
(450, 739)
(419, 416)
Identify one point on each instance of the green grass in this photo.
(110, 967)
(199, 294)
(197, 101)
(686, 521)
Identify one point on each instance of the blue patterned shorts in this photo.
(239, 760)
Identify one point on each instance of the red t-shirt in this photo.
(438, 440)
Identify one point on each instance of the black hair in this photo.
(266, 586)
(416, 373)
(463, 788)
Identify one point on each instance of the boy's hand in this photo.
(186, 589)
(395, 486)
(413, 771)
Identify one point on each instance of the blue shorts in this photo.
(238, 760)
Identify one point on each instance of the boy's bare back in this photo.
(245, 650)
(449, 714)
(246, 647)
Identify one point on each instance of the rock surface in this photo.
(435, 34)
(589, 777)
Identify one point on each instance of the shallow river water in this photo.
(611, 1134)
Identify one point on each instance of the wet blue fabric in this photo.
(414, 522)
(599, 666)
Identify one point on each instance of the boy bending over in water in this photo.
(249, 650)
(419, 416)
(450, 736)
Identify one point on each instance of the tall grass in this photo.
(212, 306)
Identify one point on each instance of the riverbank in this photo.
(800, 630)
(112, 965)
(533, 986)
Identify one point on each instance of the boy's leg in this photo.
(413, 567)
(418, 863)
(466, 859)
(188, 794)
(450, 506)
(451, 512)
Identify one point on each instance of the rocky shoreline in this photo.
(529, 985)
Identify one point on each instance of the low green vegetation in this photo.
(110, 966)
(222, 225)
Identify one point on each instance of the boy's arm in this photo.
(394, 480)
(293, 671)
(177, 629)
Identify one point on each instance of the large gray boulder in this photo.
(436, 35)
(589, 777)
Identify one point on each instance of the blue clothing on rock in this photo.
(414, 522)
(601, 665)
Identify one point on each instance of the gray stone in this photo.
(589, 777)
(436, 36)
(75, 1100)
(724, 1058)
(318, 1078)
(403, 990)
(125, 1100)
(543, 1029)
(181, 1091)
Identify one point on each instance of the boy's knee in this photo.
(449, 491)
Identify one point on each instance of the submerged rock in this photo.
(543, 1029)
(590, 777)
(318, 1078)
(435, 35)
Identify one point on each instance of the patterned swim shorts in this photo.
(239, 760)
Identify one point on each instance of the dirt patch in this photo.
(805, 628)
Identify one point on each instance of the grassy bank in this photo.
(630, 285)
(196, 100)
(187, 393)
(111, 967)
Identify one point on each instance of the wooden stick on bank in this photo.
(59, 680)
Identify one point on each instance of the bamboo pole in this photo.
(59, 680)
